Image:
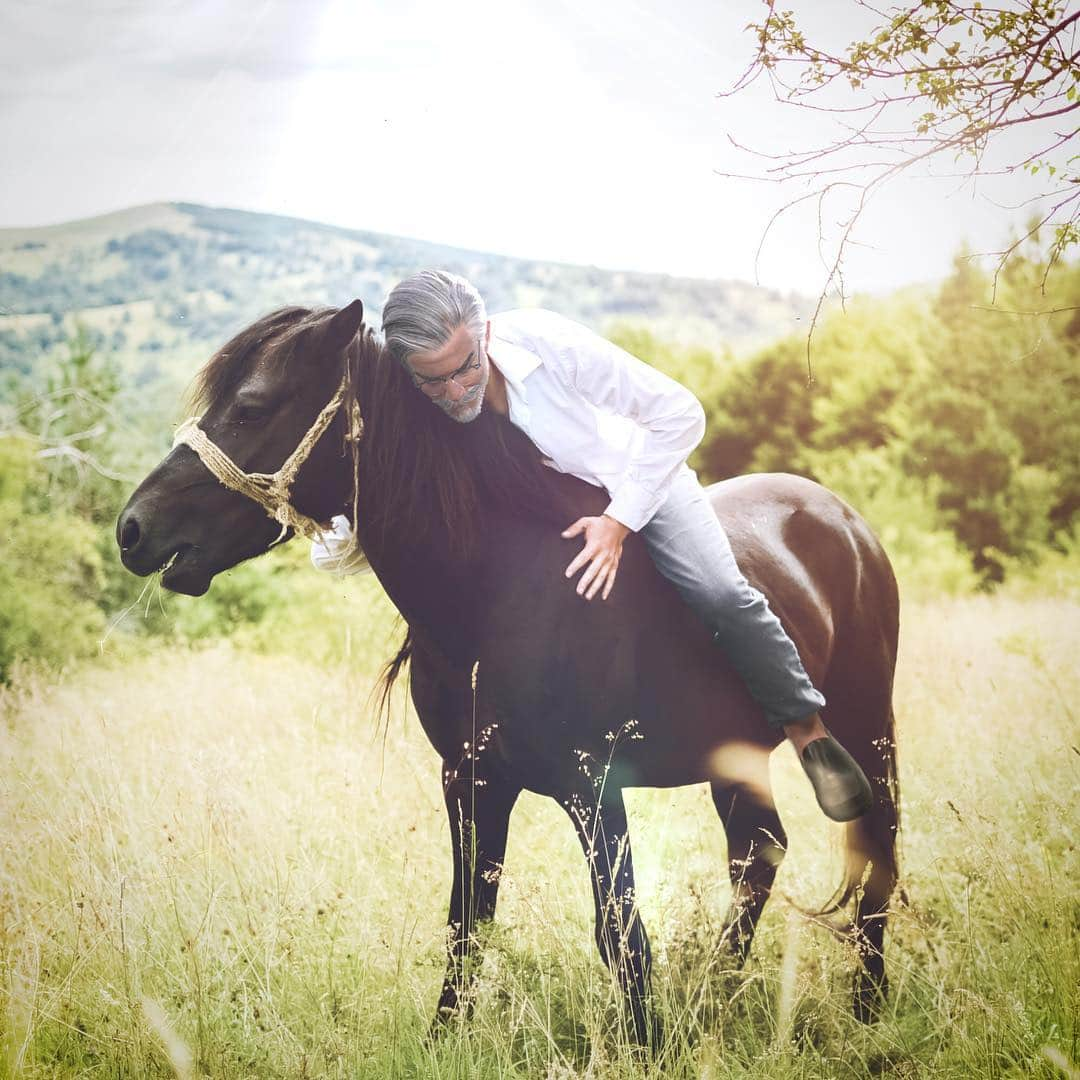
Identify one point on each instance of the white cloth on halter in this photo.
(335, 551)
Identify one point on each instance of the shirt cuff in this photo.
(633, 505)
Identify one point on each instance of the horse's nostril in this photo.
(129, 534)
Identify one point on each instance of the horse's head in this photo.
(213, 500)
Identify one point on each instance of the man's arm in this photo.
(673, 421)
(617, 382)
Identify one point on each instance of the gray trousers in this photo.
(690, 548)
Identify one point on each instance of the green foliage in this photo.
(1056, 573)
(50, 568)
(957, 439)
(771, 411)
(59, 494)
(965, 410)
(927, 556)
(72, 415)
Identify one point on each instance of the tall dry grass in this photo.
(216, 864)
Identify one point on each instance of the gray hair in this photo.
(422, 312)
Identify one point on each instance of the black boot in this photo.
(841, 787)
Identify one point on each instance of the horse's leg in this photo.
(871, 915)
(620, 936)
(478, 805)
(865, 723)
(756, 846)
(873, 837)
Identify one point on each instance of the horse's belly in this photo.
(664, 733)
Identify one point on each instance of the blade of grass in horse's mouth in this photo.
(167, 564)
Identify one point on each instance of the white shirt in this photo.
(595, 411)
(592, 410)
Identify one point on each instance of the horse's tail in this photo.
(871, 840)
(388, 676)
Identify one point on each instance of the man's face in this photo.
(454, 377)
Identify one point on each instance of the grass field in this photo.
(215, 863)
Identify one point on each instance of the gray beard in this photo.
(466, 410)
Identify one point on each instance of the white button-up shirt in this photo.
(595, 411)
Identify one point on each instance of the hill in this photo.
(160, 285)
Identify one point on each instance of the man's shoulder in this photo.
(548, 334)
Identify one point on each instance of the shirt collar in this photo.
(514, 362)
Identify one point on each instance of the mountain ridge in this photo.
(162, 283)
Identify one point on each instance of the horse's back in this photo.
(824, 571)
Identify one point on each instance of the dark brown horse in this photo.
(517, 681)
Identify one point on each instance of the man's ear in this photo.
(343, 327)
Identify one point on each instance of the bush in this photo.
(51, 572)
(928, 559)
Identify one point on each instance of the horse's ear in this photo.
(343, 327)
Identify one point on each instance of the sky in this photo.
(588, 132)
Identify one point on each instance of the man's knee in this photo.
(733, 600)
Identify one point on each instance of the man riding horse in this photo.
(598, 413)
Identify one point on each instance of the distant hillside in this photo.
(161, 285)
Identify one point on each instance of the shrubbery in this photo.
(952, 426)
(51, 572)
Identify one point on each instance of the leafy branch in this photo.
(933, 81)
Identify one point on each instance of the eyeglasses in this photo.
(437, 385)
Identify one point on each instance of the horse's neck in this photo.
(439, 592)
(438, 596)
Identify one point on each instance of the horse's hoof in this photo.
(455, 1011)
(648, 1039)
(869, 999)
(437, 1028)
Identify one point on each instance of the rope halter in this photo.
(272, 490)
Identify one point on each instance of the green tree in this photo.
(761, 419)
(766, 415)
(1025, 368)
(73, 420)
(992, 506)
(50, 568)
(926, 408)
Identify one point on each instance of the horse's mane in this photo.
(432, 479)
(423, 477)
(273, 338)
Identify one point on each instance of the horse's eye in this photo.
(246, 412)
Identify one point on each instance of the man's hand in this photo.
(603, 548)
